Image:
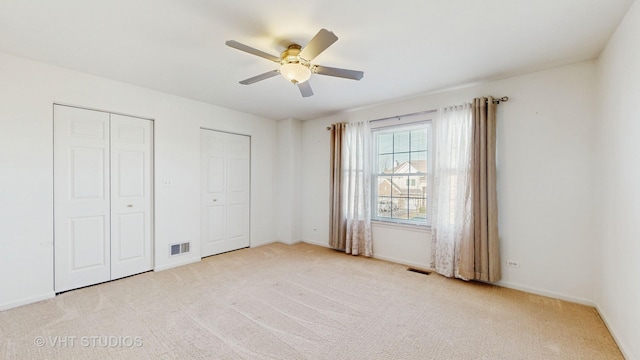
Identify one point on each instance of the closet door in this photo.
(225, 164)
(131, 195)
(238, 180)
(103, 196)
(81, 197)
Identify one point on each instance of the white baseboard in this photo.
(402, 262)
(616, 338)
(375, 256)
(277, 241)
(253, 245)
(316, 243)
(172, 265)
(27, 300)
(550, 294)
(499, 283)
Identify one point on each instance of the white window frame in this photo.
(394, 125)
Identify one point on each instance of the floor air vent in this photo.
(177, 249)
(419, 271)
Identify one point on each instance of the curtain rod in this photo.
(495, 101)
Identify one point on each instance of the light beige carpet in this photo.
(301, 302)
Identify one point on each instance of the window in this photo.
(401, 173)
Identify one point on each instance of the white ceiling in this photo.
(404, 47)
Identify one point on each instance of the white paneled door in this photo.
(225, 174)
(131, 195)
(82, 194)
(102, 196)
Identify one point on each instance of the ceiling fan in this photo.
(295, 62)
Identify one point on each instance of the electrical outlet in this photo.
(513, 264)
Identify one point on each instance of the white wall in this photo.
(545, 179)
(27, 92)
(288, 161)
(619, 165)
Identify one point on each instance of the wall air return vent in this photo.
(419, 271)
(177, 249)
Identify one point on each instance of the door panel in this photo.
(216, 224)
(215, 174)
(225, 192)
(236, 221)
(131, 197)
(237, 175)
(81, 197)
(131, 237)
(87, 173)
(88, 241)
(131, 174)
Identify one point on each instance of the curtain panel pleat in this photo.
(480, 252)
(337, 221)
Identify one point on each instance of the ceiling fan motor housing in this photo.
(293, 67)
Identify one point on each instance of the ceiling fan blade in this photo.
(260, 77)
(343, 73)
(248, 49)
(323, 39)
(305, 89)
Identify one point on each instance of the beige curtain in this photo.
(479, 250)
(337, 224)
(350, 227)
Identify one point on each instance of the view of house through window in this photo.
(401, 174)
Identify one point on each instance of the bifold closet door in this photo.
(102, 196)
(131, 195)
(225, 181)
(82, 187)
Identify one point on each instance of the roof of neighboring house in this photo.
(414, 166)
(393, 185)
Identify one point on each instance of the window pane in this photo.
(400, 191)
(385, 143)
(418, 162)
(417, 208)
(419, 140)
(400, 186)
(384, 207)
(401, 163)
(401, 141)
(399, 210)
(384, 186)
(417, 186)
(385, 164)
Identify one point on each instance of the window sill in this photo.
(403, 226)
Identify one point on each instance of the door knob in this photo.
(214, 200)
(130, 205)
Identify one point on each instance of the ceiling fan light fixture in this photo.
(295, 72)
(295, 62)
